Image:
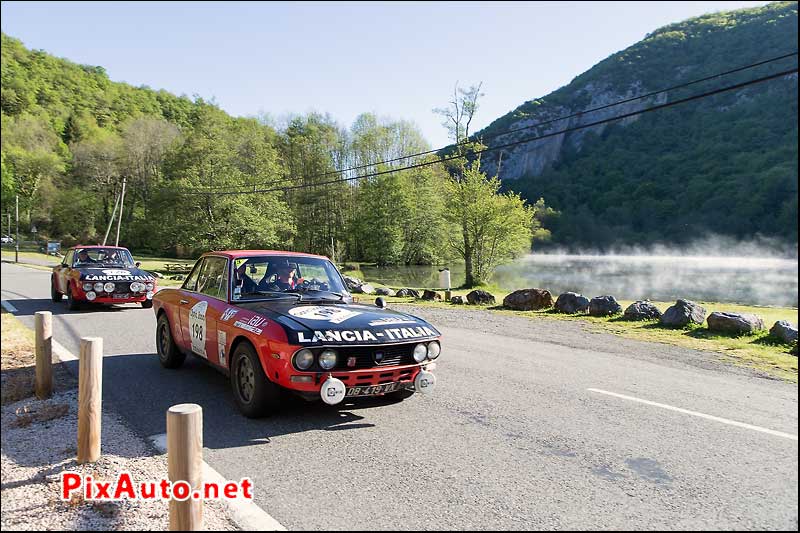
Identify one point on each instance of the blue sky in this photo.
(396, 59)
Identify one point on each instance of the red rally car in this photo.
(278, 321)
(101, 275)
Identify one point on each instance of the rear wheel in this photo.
(255, 395)
(168, 353)
(72, 303)
(54, 294)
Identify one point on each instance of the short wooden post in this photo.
(447, 295)
(90, 393)
(44, 354)
(185, 463)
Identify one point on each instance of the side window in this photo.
(191, 282)
(211, 281)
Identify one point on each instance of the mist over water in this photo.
(757, 272)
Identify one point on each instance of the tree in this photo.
(490, 228)
(460, 111)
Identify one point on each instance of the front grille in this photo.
(400, 354)
(121, 287)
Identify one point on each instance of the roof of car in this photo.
(92, 246)
(235, 254)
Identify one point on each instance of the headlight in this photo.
(91, 295)
(327, 359)
(434, 349)
(98, 287)
(150, 295)
(108, 287)
(87, 287)
(150, 286)
(135, 286)
(420, 353)
(304, 359)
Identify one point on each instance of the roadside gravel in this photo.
(572, 334)
(34, 453)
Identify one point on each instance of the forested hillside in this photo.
(71, 137)
(722, 165)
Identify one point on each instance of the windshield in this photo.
(103, 256)
(278, 276)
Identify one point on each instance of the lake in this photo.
(747, 280)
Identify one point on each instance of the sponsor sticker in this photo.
(253, 325)
(390, 320)
(364, 335)
(228, 313)
(334, 315)
(197, 328)
(116, 272)
(222, 341)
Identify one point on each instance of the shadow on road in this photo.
(29, 306)
(151, 390)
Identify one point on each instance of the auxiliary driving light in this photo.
(91, 296)
(98, 287)
(108, 287)
(87, 287)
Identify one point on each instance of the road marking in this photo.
(700, 415)
(248, 515)
(8, 307)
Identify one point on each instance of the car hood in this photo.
(316, 324)
(114, 274)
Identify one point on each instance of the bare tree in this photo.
(459, 113)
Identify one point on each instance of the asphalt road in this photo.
(512, 438)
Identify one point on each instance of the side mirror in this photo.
(138, 264)
(253, 269)
(380, 302)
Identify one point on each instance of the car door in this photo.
(62, 272)
(203, 307)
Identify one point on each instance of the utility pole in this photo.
(16, 241)
(111, 220)
(121, 208)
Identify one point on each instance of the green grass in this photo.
(758, 351)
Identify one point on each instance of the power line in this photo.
(531, 126)
(515, 143)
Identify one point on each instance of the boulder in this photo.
(352, 283)
(385, 291)
(407, 292)
(784, 331)
(683, 313)
(431, 295)
(735, 323)
(571, 303)
(457, 300)
(479, 297)
(642, 310)
(528, 300)
(604, 306)
(365, 288)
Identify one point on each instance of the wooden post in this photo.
(90, 393)
(44, 354)
(185, 463)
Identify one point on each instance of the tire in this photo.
(72, 303)
(54, 294)
(255, 395)
(147, 304)
(169, 355)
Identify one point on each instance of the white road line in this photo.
(248, 515)
(700, 415)
(8, 307)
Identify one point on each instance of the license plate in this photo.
(372, 390)
(120, 296)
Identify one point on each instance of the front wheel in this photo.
(255, 395)
(147, 304)
(401, 395)
(168, 353)
(54, 294)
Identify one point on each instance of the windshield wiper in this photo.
(339, 295)
(278, 293)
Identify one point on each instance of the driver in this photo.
(110, 256)
(285, 276)
(83, 257)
